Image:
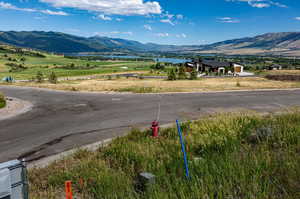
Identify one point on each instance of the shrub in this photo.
(52, 78)
(194, 74)
(171, 75)
(238, 84)
(16, 67)
(158, 66)
(2, 101)
(181, 73)
(39, 77)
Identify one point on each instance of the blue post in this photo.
(183, 150)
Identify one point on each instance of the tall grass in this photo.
(2, 101)
(230, 156)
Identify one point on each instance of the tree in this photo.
(72, 65)
(194, 74)
(53, 78)
(39, 77)
(181, 73)
(171, 75)
(158, 66)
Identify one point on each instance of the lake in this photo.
(159, 59)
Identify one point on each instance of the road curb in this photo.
(44, 162)
(14, 107)
(164, 93)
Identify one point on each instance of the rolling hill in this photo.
(285, 43)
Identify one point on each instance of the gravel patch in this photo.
(14, 107)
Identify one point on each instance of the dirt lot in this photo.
(156, 85)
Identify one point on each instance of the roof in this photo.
(190, 64)
(276, 65)
(214, 63)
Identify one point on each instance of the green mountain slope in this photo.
(66, 43)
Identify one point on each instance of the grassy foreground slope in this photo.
(230, 156)
(2, 101)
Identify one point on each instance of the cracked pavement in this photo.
(60, 120)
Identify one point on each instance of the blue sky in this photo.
(159, 21)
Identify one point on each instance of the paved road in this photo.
(63, 120)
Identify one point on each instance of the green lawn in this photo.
(230, 156)
(61, 66)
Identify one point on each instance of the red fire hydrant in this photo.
(155, 128)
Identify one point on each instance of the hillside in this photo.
(51, 41)
(285, 43)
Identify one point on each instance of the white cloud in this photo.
(9, 6)
(182, 35)
(119, 19)
(297, 18)
(121, 33)
(148, 27)
(119, 7)
(228, 20)
(113, 33)
(167, 15)
(162, 34)
(103, 17)
(49, 12)
(12, 7)
(179, 16)
(167, 21)
(261, 3)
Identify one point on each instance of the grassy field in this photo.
(25, 66)
(281, 72)
(157, 85)
(2, 101)
(237, 155)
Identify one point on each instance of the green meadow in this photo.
(26, 65)
(234, 155)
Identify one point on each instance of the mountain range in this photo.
(284, 43)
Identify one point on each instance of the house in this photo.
(237, 68)
(208, 66)
(275, 67)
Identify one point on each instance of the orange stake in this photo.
(68, 187)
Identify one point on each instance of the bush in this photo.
(181, 73)
(2, 101)
(194, 74)
(16, 67)
(238, 84)
(171, 75)
(52, 78)
(158, 66)
(39, 77)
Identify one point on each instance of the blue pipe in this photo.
(183, 150)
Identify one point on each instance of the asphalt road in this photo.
(60, 120)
